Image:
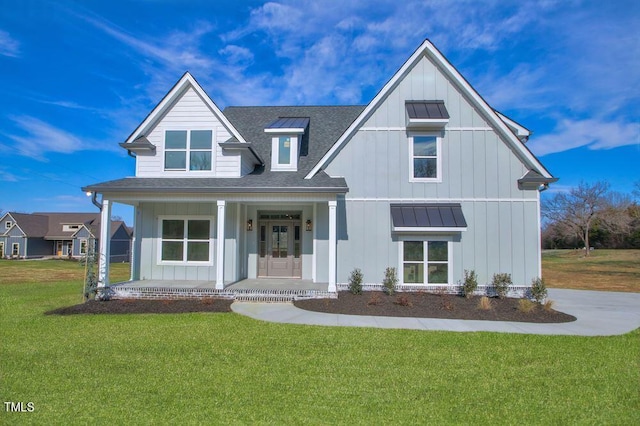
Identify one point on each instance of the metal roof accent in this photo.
(426, 110)
(235, 145)
(288, 125)
(435, 217)
(141, 144)
(533, 179)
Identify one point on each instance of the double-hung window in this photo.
(188, 150)
(185, 240)
(425, 161)
(425, 262)
(15, 249)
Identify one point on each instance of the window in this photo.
(69, 228)
(1, 250)
(7, 224)
(15, 249)
(188, 150)
(185, 240)
(284, 154)
(425, 157)
(425, 262)
(83, 246)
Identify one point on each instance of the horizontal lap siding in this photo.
(190, 112)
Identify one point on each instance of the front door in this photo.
(280, 249)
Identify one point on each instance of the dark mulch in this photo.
(133, 306)
(429, 305)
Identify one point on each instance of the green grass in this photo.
(225, 368)
(610, 270)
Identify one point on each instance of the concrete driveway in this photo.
(598, 313)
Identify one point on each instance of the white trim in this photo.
(441, 200)
(427, 49)
(294, 143)
(438, 156)
(8, 224)
(2, 251)
(402, 129)
(427, 229)
(288, 130)
(220, 245)
(427, 122)
(104, 244)
(425, 259)
(184, 239)
(539, 238)
(13, 249)
(315, 244)
(187, 151)
(180, 88)
(332, 245)
(516, 127)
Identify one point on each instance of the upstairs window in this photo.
(284, 150)
(285, 143)
(7, 224)
(425, 161)
(188, 150)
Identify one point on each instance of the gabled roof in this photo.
(186, 81)
(32, 225)
(428, 50)
(56, 222)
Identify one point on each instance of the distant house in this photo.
(36, 235)
(427, 178)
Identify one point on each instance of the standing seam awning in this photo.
(431, 217)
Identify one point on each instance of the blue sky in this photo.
(77, 77)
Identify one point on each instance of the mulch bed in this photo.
(136, 306)
(429, 305)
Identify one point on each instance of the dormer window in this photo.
(188, 150)
(285, 143)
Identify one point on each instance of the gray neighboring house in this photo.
(426, 178)
(61, 235)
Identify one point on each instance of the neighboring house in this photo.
(59, 235)
(426, 178)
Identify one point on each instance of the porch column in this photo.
(332, 246)
(220, 246)
(105, 244)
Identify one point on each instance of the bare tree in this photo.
(578, 209)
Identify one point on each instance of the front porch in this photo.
(248, 290)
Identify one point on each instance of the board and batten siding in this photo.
(479, 170)
(189, 112)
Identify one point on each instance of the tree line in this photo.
(591, 215)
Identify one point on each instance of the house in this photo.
(58, 235)
(426, 178)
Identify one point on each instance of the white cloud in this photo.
(39, 138)
(8, 45)
(590, 133)
(6, 176)
(237, 55)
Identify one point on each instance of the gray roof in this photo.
(325, 125)
(289, 123)
(429, 215)
(260, 181)
(426, 109)
(33, 225)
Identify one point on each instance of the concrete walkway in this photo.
(598, 313)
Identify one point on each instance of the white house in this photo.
(426, 178)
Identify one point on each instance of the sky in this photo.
(77, 77)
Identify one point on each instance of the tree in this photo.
(578, 209)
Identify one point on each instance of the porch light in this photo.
(308, 223)
(250, 225)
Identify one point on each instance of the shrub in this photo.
(374, 300)
(501, 284)
(484, 304)
(526, 306)
(470, 283)
(538, 290)
(403, 301)
(355, 281)
(548, 305)
(390, 281)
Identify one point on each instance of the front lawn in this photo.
(610, 270)
(224, 368)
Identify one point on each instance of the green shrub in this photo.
(390, 281)
(355, 281)
(538, 290)
(501, 284)
(470, 283)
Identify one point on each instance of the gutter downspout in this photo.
(94, 200)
